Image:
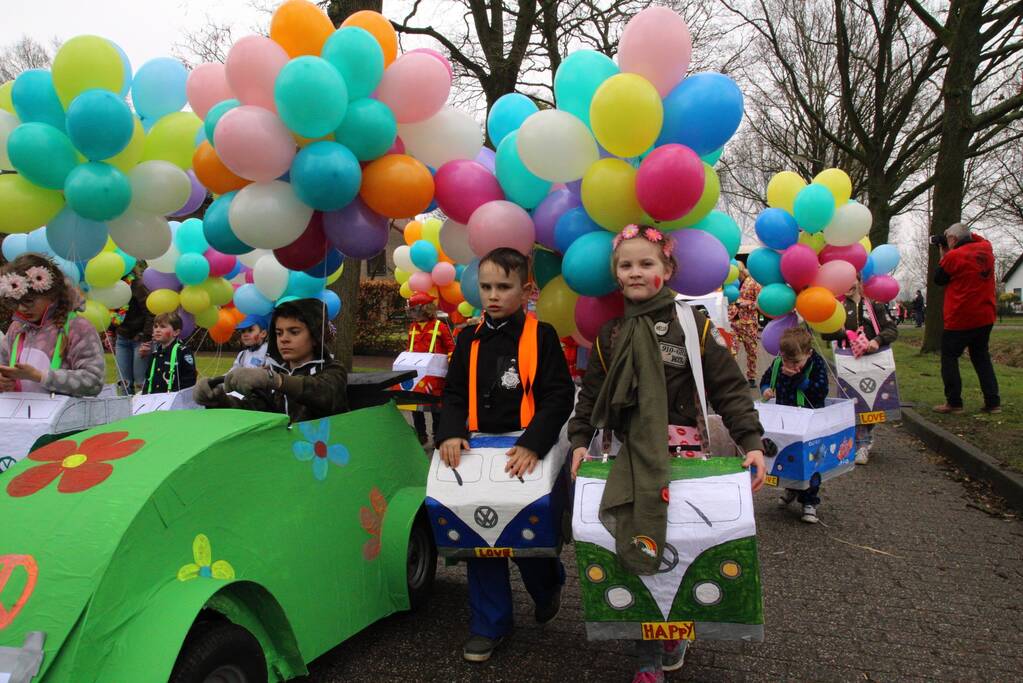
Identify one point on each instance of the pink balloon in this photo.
(837, 276)
(500, 224)
(414, 87)
(881, 288)
(252, 67)
(582, 341)
(656, 45)
(207, 85)
(462, 186)
(669, 182)
(799, 266)
(592, 312)
(220, 264)
(443, 274)
(248, 277)
(254, 143)
(854, 254)
(420, 282)
(435, 55)
(398, 147)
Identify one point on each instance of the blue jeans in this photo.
(490, 595)
(131, 367)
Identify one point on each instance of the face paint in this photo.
(657, 282)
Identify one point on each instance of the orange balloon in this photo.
(224, 328)
(301, 28)
(397, 186)
(452, 293)
(413, 231)
(816, 304)
(212, 173)
(379, 27)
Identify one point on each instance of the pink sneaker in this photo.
(646, 676)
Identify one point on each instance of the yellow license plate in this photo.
(669, 630)
(873, 418)
(495, 552)
(771, 480)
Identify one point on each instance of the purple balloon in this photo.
(187, 323)
(703, 263)
(195, 198)
(487, 157)
(771, 336)
(356, 230)
(553, 207)
(576, 188)
(154, 280)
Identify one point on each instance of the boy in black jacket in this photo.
(521, 382)
(172, 365)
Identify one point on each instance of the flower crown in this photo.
(652, 235)
(15, 285)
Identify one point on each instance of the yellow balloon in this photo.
(195, 299)
(733, 274)
(220, 290)
(431, 231)
(5, 97)
(25, 206)
(97, 314)
(207, 317)
(401, 276)
(708, 200)
(832, 324)
(837, 181)
(405, 290)
(609, 194)
(84, 63)
(335, 275)
(626, 114)
(782, 190)
(866, 244)
(110, 245)
(129, 157)
(466, 309)
(173, 139)
(104, 269)
(556, 306)
(815, 241)
(162, 301)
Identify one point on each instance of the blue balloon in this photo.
(234, 271)
(126, 66)
(190, 237)
(159, 87)
(765, 266)
(35, 99)
(470, 283)
(216, 227)
(192, 268)
(868, 269)
(250, 301)
(303, 286)
(368, 129)
(37, 241)
(326, 176)
(724, 228)
(215, 113)
(99, 124)
(459, 269)
(332, 300)
(777, 229)
(702, 112)
(885, 258)
(311, 96)
(71, 269)
(776, 299)
(572, 225)
(731, 292)
(14, 245)
(328, 266)
(578, 78)
(424, 255)
(97, 191)
(358, 57)
(587, 264)
(508, 113)
(75, 238)
(519, 184)
(43, 154)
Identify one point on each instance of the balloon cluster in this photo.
(422, 265)
(815, 248)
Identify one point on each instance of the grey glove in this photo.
(247, 380)
(205, 395)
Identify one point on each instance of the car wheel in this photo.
(421, 566)
(220, 652)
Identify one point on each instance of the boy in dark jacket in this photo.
(172, 365)
(521, 381)
(301, 378)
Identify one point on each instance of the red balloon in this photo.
(881, 288)
(854, 254)
(592, 312)
(309, 249)
(670, 182)
(462, 186)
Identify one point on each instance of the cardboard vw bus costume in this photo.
(870, 381)
(805, 446)
(430, 369)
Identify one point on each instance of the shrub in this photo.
(380, 323)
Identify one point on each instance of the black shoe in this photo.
(752, 384)
(991, 410)
(547, 613)
(479, 648)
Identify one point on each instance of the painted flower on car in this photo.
(78, 467)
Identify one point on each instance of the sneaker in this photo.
(646, 676)
(862, 455)
(479, 648)
(809, 514)
(674, 655)
(785, 499)
(991, 410)
(946, 409)
(547, 613)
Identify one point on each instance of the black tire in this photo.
(220, 652)
(421, 563)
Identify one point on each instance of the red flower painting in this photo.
(79, 467)
(372, 519)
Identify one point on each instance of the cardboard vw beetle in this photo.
(805, 446)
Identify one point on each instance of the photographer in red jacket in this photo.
(967, 271)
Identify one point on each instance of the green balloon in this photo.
(721, 225)
(546, 266)
(214, 114)
(369, 129)
(311, 97)
(776, 299)
(578, 78)
(708, 200)
(41, 153)
(357, 56)
(97, 191)
(712, 157)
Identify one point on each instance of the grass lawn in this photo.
(210, 365)
(1001, 436)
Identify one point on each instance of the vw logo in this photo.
(669, 559)
(868, 385)
(6, 462)
(485, 516)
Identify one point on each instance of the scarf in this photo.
(632, 508)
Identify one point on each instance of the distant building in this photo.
(1013, 279)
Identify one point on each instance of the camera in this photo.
(939, 241)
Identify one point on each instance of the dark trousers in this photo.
(490, 594)
(953, 343)
(919, 317)
(809, 496)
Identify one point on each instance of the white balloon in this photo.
(268, 215)
(849, 225)
(115, 296)
(144, 236)
(158, 187)
(454, 240)
(270, 277)
(251, 258)
(166, 262)
(403, 259)
(8, 122)
(447, 135)
(556, 146)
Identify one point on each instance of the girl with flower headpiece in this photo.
(639, 384)
(49, 347)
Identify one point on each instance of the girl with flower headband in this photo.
(639, 384)
(48, 347)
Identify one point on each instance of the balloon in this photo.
(577, 79)
(814, 207)
(396, 186)
(850, 224)
(190, 237)
(309, 249)
(592, 312)
(216, 113)
(159, 87)
(556, 146)
(702, 112)
(463, 186)
(332, 263)
(217, 227)
(194, 299)
(97, 191)
(270, 277)
(250, 301)
(609, 194)
(173, 139)
(311, 96)
(837, 182)
(626, 115)
(104, 269)
(466, 309)
(158, 187)
(881, 288)
(8, 122)
(42, 154)
(508, 113)
(75, 238)
(799, 266)
(220, 265)
(162, 301)
(885, 258)
(332, 301)
(670, 182)
(26, 206)
(115, 296)
(326, 176)
(814, 241)
(771, 337)
(519, 185)
(776, 299)
(154, 280)
(192, 269)
(586, 266)
(187, 324)
(832, 324)
(127, 158)
(454, 241)
(854, 254)
(142, 235)
(97, 314)
(14, 246)
(835, 276)
(703, 263)
(212, 173)
(450, 134)
(252, 66)
(86, 62)
(254, 144)
(37, 241)
(731, 292)
(443, 274)
(35, 100)
(368, 129)
(420, 282)
(765, 266)
(415, 88)
(550, 210)
(713, 157)
(556, 306)
(470, 283)
(777, 229)
(206, 86)
(5, 97)
(866, 244)
(424, 255)
(782, 190)
(403, 259)
(500, 224)
(300, 27)
(99, 124)
(380, 28)
(724, 228)
(268, 215)
(356, 230)
(357, 56)
(572, 225)
(816, 304)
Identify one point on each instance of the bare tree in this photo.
(24, 54)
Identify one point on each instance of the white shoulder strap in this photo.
(687, 319)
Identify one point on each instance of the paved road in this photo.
(912, 575)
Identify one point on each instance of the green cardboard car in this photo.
(215, 545)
